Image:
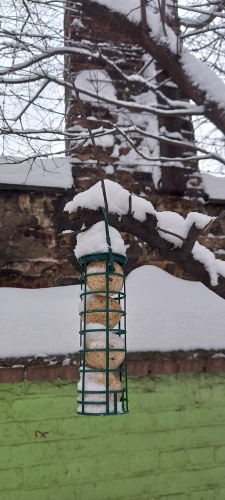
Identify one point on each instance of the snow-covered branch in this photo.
(82, 137)
(132, 106)
(168, 233)
(205, 17)
(206, 14)
(48, 54)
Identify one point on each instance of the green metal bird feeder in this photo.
(103, 359)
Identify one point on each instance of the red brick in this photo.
(138, 368)
(191, 365)
(215, 365)
(41, 372)
(11, 375)
(164, 367)
(70, 372)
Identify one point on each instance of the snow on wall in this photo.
(97, 81)
(214, 185)
(54, 172)
(164, 313)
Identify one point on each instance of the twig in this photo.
(169, 232)
(162, 10)
(83, 114)
(213, 222)
(71, 233)
(144, 23)
(130, 204)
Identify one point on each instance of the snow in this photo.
(175, 223)
(214, 185)
(204, 78)
(130, 9)
(93, 382)
(97, 81)
(56, 172)
(109, 169)
(118, 200)
(98, 338)
(105, 141)
(36, 322)
(94, 241)
(164, 313)
(208, 259)
(149, 146)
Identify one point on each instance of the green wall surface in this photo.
(171, 446)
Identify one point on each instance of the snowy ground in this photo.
(164, 313)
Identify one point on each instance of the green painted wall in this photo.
(170, 447)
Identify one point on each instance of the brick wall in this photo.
(171, 446)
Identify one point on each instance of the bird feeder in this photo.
(103, 360)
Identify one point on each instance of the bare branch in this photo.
(132, 106)
(94, 147)
(170, 232)
(213, 223)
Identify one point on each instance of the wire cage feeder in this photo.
(102, 387)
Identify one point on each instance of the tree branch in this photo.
(148, 231)
(162, 50)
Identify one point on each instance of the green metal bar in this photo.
(108, 238)
(109, 402)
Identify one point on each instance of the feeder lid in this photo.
(87, 259)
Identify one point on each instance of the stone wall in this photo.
(35, 255)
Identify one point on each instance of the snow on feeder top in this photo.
(103, 362)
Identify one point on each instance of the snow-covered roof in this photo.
(55, 172)
(164, 313)
(214, 186)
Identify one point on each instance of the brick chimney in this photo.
(103, 52)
